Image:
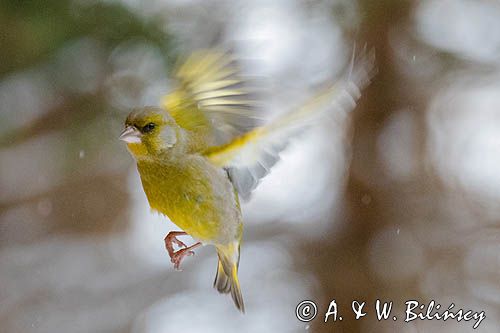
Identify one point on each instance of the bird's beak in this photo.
(130, 135)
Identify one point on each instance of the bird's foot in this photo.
(171, 239)
(177, 256)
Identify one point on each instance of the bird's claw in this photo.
(179, 255)
(171, 239)
(184, 251)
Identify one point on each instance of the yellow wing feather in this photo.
(250, 157)
(211, 100)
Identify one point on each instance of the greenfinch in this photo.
(202, 150)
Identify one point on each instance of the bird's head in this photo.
(150, 132)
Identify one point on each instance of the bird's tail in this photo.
(226, 280)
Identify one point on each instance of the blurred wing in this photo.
(211, 97)
(250, 157)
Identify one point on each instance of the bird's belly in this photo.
(201, 221)
(202, 203)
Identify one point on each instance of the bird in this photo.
(205, 146)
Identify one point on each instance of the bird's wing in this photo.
(251, 156)
(212, 98)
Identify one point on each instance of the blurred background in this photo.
(397, 200)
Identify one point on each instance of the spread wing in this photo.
(251, 156)
(212, 99)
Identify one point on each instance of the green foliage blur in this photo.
(34, 33)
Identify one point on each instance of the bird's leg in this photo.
(177, 257)
(171, 239)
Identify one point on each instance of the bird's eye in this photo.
(148, 128)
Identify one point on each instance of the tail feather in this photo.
(222, 282)
(226, 280)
